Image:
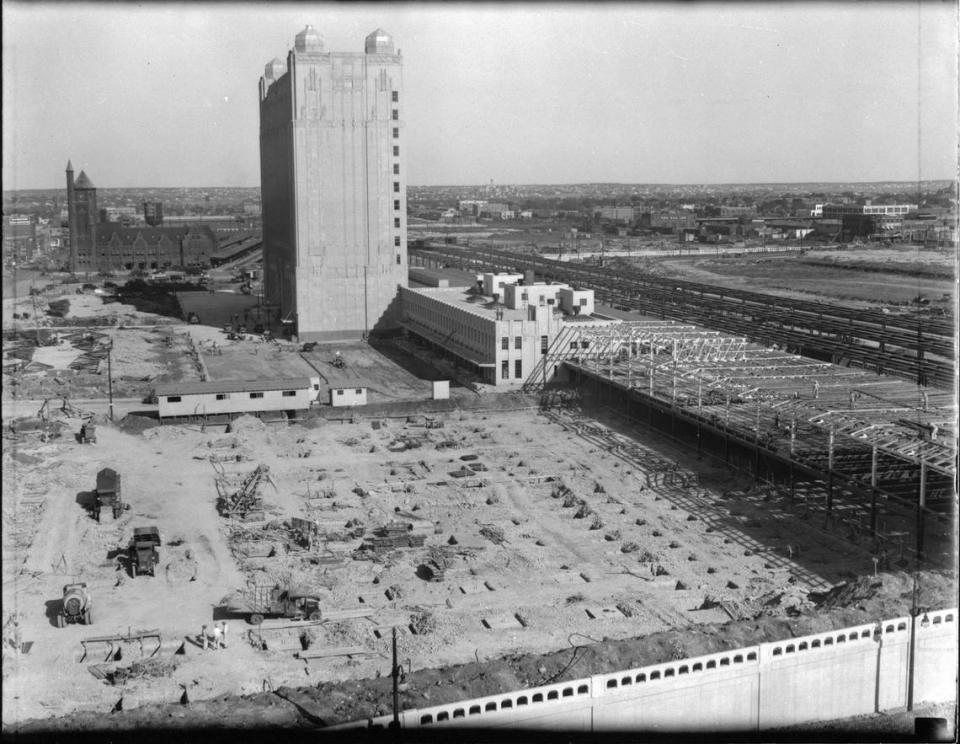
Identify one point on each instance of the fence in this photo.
(820, 677)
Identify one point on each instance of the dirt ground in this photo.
(625, 537)
(612, 560)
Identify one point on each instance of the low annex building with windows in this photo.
(236, 397)
(501, 330)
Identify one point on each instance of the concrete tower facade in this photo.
(333, 187)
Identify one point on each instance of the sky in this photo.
(164, 94)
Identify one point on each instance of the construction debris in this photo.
(391, 536)
(493, 533)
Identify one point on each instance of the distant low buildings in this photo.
(124, 215)
(614, 214)
(19, 239)
(734, 211)
(841, 210)
(667, 221)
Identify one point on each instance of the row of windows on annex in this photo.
(518, 343)
(226, 396)
(466, 334)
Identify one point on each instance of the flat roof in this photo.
(232, 386)
(483, 305)
(480, 305)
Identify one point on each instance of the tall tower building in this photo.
(333, 187)
(153, 213)
(71, 219)
(82, 214)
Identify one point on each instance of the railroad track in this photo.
(920, 349)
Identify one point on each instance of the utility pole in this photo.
(395, 673)
(110, 377)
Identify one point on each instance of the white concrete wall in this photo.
(348, 397)
(577, 301)
(493, 283)
(819, 677)
(936, 660)
(517, 296)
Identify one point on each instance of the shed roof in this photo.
(232, 386)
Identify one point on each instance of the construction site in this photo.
(675, 491)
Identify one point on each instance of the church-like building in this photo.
(111, 246)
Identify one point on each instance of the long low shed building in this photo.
(236, 397)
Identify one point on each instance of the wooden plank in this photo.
(349, 614)
(334, 651)
(134, 636)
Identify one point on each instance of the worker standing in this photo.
(223, 630)
(217, 637)
(203, 636)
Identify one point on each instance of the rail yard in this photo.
(921, 349)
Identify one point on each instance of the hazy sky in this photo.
(165, 94)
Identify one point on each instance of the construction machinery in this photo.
(88, 433)
(107, 494)
(142, 552)
(76, 606)
(244, 503)
(298, 603)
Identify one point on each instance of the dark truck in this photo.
(142, 553)
(297, 603)
(107, 494)
(76, 606)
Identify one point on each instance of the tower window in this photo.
(396, 96)
(396, 169)
(398, 259)
(396, 151)
(396, 240)
(396, 133)
(396, 222)
(396, 115)
(396, 204)
(396, 186)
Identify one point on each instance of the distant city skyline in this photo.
(165, 95)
